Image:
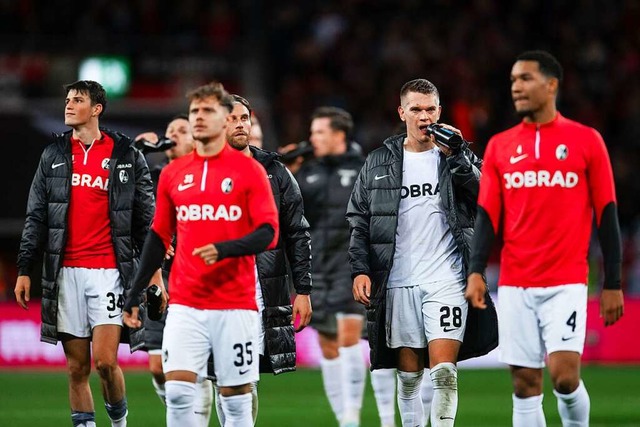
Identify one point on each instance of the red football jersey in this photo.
(89, 242)
(541, 184)
(207, 200)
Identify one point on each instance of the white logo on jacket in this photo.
(86, 180)
(541, 178)
(227, 185)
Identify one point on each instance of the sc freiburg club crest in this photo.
(227, 185)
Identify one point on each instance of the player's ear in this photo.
(401, 112)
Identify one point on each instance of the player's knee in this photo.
(180, 394)
(444, 376)
(409, 383)
(566, 383)
(106, 367)
(78, 372)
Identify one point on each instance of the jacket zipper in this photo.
(537, 143)
(203, 180)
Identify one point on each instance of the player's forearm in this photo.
(483, 238)
(150, 261)
(251, 244)
(611, 244)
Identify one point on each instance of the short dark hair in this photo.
(339, 119)
(548, 64)
(179, 116)
(423, 86)
(212, 90)
(237, 99)
(96, 92)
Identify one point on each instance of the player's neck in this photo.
(210, 147)
(415, 146)
(87, 133)
(542, 116)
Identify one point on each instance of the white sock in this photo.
(331, 374)
(574, 407)
(527, 412)
(254, 401)
(218, 398)
(409, 398)
(117, 412)
(354, 374)
(426, 393)
(445, 394)
(202, 402)
(160, 391)
(383, 382)
(237, 410)
(180, 398)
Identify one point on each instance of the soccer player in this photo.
(543, 180)
(178, 131)
(219, 204)
(90, 206)
(411, 215)
(276, 343)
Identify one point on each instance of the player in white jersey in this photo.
(411, 213)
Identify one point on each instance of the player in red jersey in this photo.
(542, 181)
(90, 206)
(219, 204)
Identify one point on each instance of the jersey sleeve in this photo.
(262, 205)
(164, 220)
(600, 176)
(490, 195)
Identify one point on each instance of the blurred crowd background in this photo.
(288, 57)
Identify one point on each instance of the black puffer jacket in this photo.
(373, 217)
(131, 207)
(294, 244)
(326, 185)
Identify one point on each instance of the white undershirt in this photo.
(426, 251)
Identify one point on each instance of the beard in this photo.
(239, 143)
(523, 114)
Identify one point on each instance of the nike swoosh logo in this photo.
(567, 339)
(55, 165)
(113, 316)
(183, 187)
(449, 329)
(241, 372)
(513, 160)
(377, 177)
(445, 418)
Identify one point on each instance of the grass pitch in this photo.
(34, 399)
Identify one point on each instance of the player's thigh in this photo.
(186, 342)
(72, 316)
(105, 296)
(404, 319)
(105, 342)
(444, 310)
(563, 317)
(234, 335)
(520, 340)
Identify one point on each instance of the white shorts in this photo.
(88, 297)
(191, 335)
(419, 314)
(535, 321)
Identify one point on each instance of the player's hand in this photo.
(157, 280)
(611, 306)
(302, 308)
(152, 137)
(132, 319)
(171, 251)
(362, 289)
(23, 291)
(476, 288)
(447, 151)
(208, 253)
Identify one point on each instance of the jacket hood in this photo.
(265, 158)
(394, 144)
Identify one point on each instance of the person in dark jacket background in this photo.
(411, 216)
(277, 346)
(326, 182)
(89, 209)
